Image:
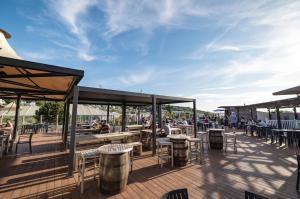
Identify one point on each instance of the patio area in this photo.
(266, 169)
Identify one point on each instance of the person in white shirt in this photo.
(184, 122)
(167, 127)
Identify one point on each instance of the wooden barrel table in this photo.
(180, 149)
(216, 138)
(114, 166)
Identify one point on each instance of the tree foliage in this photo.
(49, 112)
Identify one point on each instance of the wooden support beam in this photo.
(123, 117)
(153, 125)
(73, 130)
(195, 117)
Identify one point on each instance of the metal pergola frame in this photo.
(88, 95)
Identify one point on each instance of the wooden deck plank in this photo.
(259, 167)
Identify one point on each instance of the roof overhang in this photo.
(283, 103)
(89, 95)
(36, 81)
(289, 91)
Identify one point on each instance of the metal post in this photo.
(16, 117)
(73, 130)
(195, 117)
(139, 115)
(64, 122)
(66, 119)
(159, 116)
(251, 111)
(107, 114)
(295, 113)
(123, 117)
(153, 125)
(278, 118)
(270, 115)
(238, 114)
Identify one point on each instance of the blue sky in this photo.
(220, 52)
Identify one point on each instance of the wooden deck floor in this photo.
(257, 167)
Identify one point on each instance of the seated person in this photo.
(167, 128)
(105, 128)
(184, 122)
(8, 127)
(262, 123)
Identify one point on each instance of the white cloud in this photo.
(72, 13)
(134, 77)
(123, 16)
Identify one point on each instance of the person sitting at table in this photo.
(167, 128)
(184, 122)
(8, 127)
(105, 128)
(262, 123)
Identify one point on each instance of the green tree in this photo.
(169, 111)
(49, 112)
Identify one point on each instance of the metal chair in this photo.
(178, 194)
(29, 141)
(250, 195)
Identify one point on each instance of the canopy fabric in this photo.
(289, 91)
(32, 80)
(36, 81)
(88, 95)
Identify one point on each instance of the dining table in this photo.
(97, 138)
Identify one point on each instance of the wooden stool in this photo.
(197, 150)
(161, 143)
(83, 157)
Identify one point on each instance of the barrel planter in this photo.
(216, 139)
(114, 172)
(180, 151)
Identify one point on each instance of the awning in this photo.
(289, 91)
(35, 80)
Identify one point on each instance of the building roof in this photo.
(89, 95)
(283, 103)
(289, 91)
